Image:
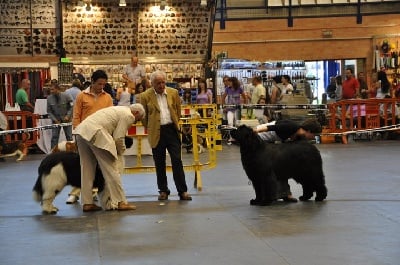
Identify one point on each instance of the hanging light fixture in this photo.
(203, 3)
(88, 6)
(163, 3)
(122, 3)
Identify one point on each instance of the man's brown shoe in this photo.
(184, 196)
(163, 196)
(91, 208)
(123, 206)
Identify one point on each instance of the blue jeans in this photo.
(56, 134)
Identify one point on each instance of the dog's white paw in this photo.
(21, 157)
(50, 210)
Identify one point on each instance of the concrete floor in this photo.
(358, 224)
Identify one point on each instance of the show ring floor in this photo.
(359, 223)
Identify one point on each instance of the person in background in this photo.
(225, 81)
(59, 108)
(187, 96)
(163, 110)
(389, 112)
(339, 88)
(384, 88)
(231, 96)
(101, 141)
(362, 85)
(133, 73)
(123, 96)
(86, 85)
(187, 140)
(267, 116)
(46, 89)
(276, 92)
(287, 85)
(350, 87)
(78, 75)
(140, 88)
(21, 97)
(88, 102)
(285, 131)
(258, 91)
(110, 90)
(75, 89)
(204, 95)
(375, 84)
(331, 89)
(145, 83)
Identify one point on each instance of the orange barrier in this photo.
(362, 114)
(21, 120)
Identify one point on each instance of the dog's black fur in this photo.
(267, 164)
(52, 180)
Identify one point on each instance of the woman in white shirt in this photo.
(287, 86)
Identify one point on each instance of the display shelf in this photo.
(296, 70)
(65, 73)
(174, 71)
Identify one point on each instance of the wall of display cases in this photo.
(28, 27)
(103, 35)
(180, 29)
(103, 28)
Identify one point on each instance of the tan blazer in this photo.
(152, 120)
(106, 129)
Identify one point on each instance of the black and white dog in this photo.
(63, 168)
(56, 171)
(266, 165)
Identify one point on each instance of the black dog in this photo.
(56, 171)
(267, 164)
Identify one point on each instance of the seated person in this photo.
(287, 130)
(284, 131)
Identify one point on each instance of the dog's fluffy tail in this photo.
(37, 191)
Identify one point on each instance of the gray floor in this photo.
(358, 224)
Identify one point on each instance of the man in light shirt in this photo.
(258, 91)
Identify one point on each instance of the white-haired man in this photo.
(163, 108)
(101, 140)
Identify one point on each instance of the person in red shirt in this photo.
(350, 86)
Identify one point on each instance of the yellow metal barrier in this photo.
(202, 117)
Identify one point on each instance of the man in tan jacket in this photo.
(100, 139)
(163, 109)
